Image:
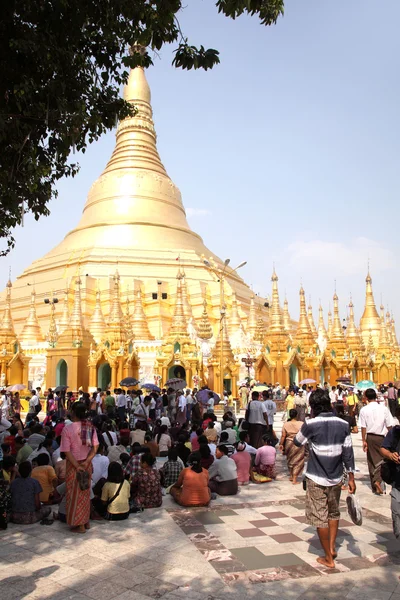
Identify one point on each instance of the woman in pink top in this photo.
(242, 459)
(265, 458)
(79, 443)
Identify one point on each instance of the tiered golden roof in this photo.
(278, 322)
(252, 319)
(259, 335)
(234, 320)
(179, 324)
(353, 337)
(140, 328)
(304, 336)
(310, 318)
(115, 332)
(7, 324)
(286, 317)
(322, 333)
(370, 323)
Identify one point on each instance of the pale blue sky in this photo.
(287, 152)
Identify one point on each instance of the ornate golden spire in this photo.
(116, 327)
(252, 319)
(260, 332)
(76, 325)
(370, 323)
(304, 336)
(97, 323)
(389, 328)
(394, 335)
(127, 319)
(384, 344)
(179, 328)
(226, 346)
(311, 321)
(286, 317)
(234, 320)
(52, 335)
(204, 329)
(322, 334)
(64, 321)
(277, 324)
(31, 333)
(185, 298)
(337, 331)
(7, 324)
(330, 324)
(140, 328)
(353, 337)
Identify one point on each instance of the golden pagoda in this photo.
(370, 323)
(97, 323)
(31, 333)
(310, 318)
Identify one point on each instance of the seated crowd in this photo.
(101, 460)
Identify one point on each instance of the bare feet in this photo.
(322, 560)
(378, 489)
(79, 529)
(334, 553)
(295, 482)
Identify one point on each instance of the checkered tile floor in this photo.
(269, 541)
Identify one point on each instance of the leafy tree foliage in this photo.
(61, 66)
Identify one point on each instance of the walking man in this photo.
(375, 421)
(391, 451)
(392, 399)
(330, 448)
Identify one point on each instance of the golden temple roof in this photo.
(179, 324)
(304, 336)
(140, 328)
(353, 337)
(278, 322)
(204, 329)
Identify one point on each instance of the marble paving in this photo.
(254, 545)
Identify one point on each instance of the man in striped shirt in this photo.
(330, 447)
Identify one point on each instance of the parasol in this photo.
(61, 388)
(365, 384)
(259, 388)
(16, 388)
(397, 384)
(344, 379)
(303, 381)
(202, 397)
(151, 386)
(175, 383)
(129, 382)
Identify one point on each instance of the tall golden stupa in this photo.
(133, 291)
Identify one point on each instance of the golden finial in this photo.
(384, 344)
(322, 333)
(310, 318)
(204, 329)
(370, 323)
(286, 316)
(97, 323)
(277, 322)
(304, 336)
(140, 328)
(337, 331)
(31, 333)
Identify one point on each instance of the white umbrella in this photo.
(16, 387)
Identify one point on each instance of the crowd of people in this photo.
(111, 454)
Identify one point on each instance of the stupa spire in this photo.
(322, 333)
(252, 319)
(353, 337)
(97, 324)
(116, 327)
(140, 328)
(76, 320)
(179, 326)
(286, 317)
(330, 324)
(389, 328)
(304, 336)
(7, 324)
(370, 323)
(383, 336)
(204, 330)
(127, 318)
(259, 335)
(310, 318)
(337, 331)
(31, 333)
(234, 320)
(64, 321)
(276, 319)
(394, 335)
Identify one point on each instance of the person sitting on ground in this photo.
(114, 452)
(194, 440)
(5, 449)
(46, 476)
(232, 437)
(146, 485)
(59, 427)
(10, 439)
(207, 458)
(37, 437)
(264, 463)
(61, 469)
(25, 497)
(115, 494)
(192, 489)
(137, 435)
(225, 441)
(10, 469)
(223, 474)
(245, 438)
(151, 445)
(242, 459)
(45, 447)
(23, 450)
(124, 433)
(135, 461)
(171, 468)
(182, 449)
(164, 440)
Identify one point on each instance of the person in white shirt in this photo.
(210, 404)
(270, 407)
(181, 412)
(375, 421)
(166, 421)
(189, 404)
(257, 419)
(333, 395)
(33, 403)
(120, 402)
